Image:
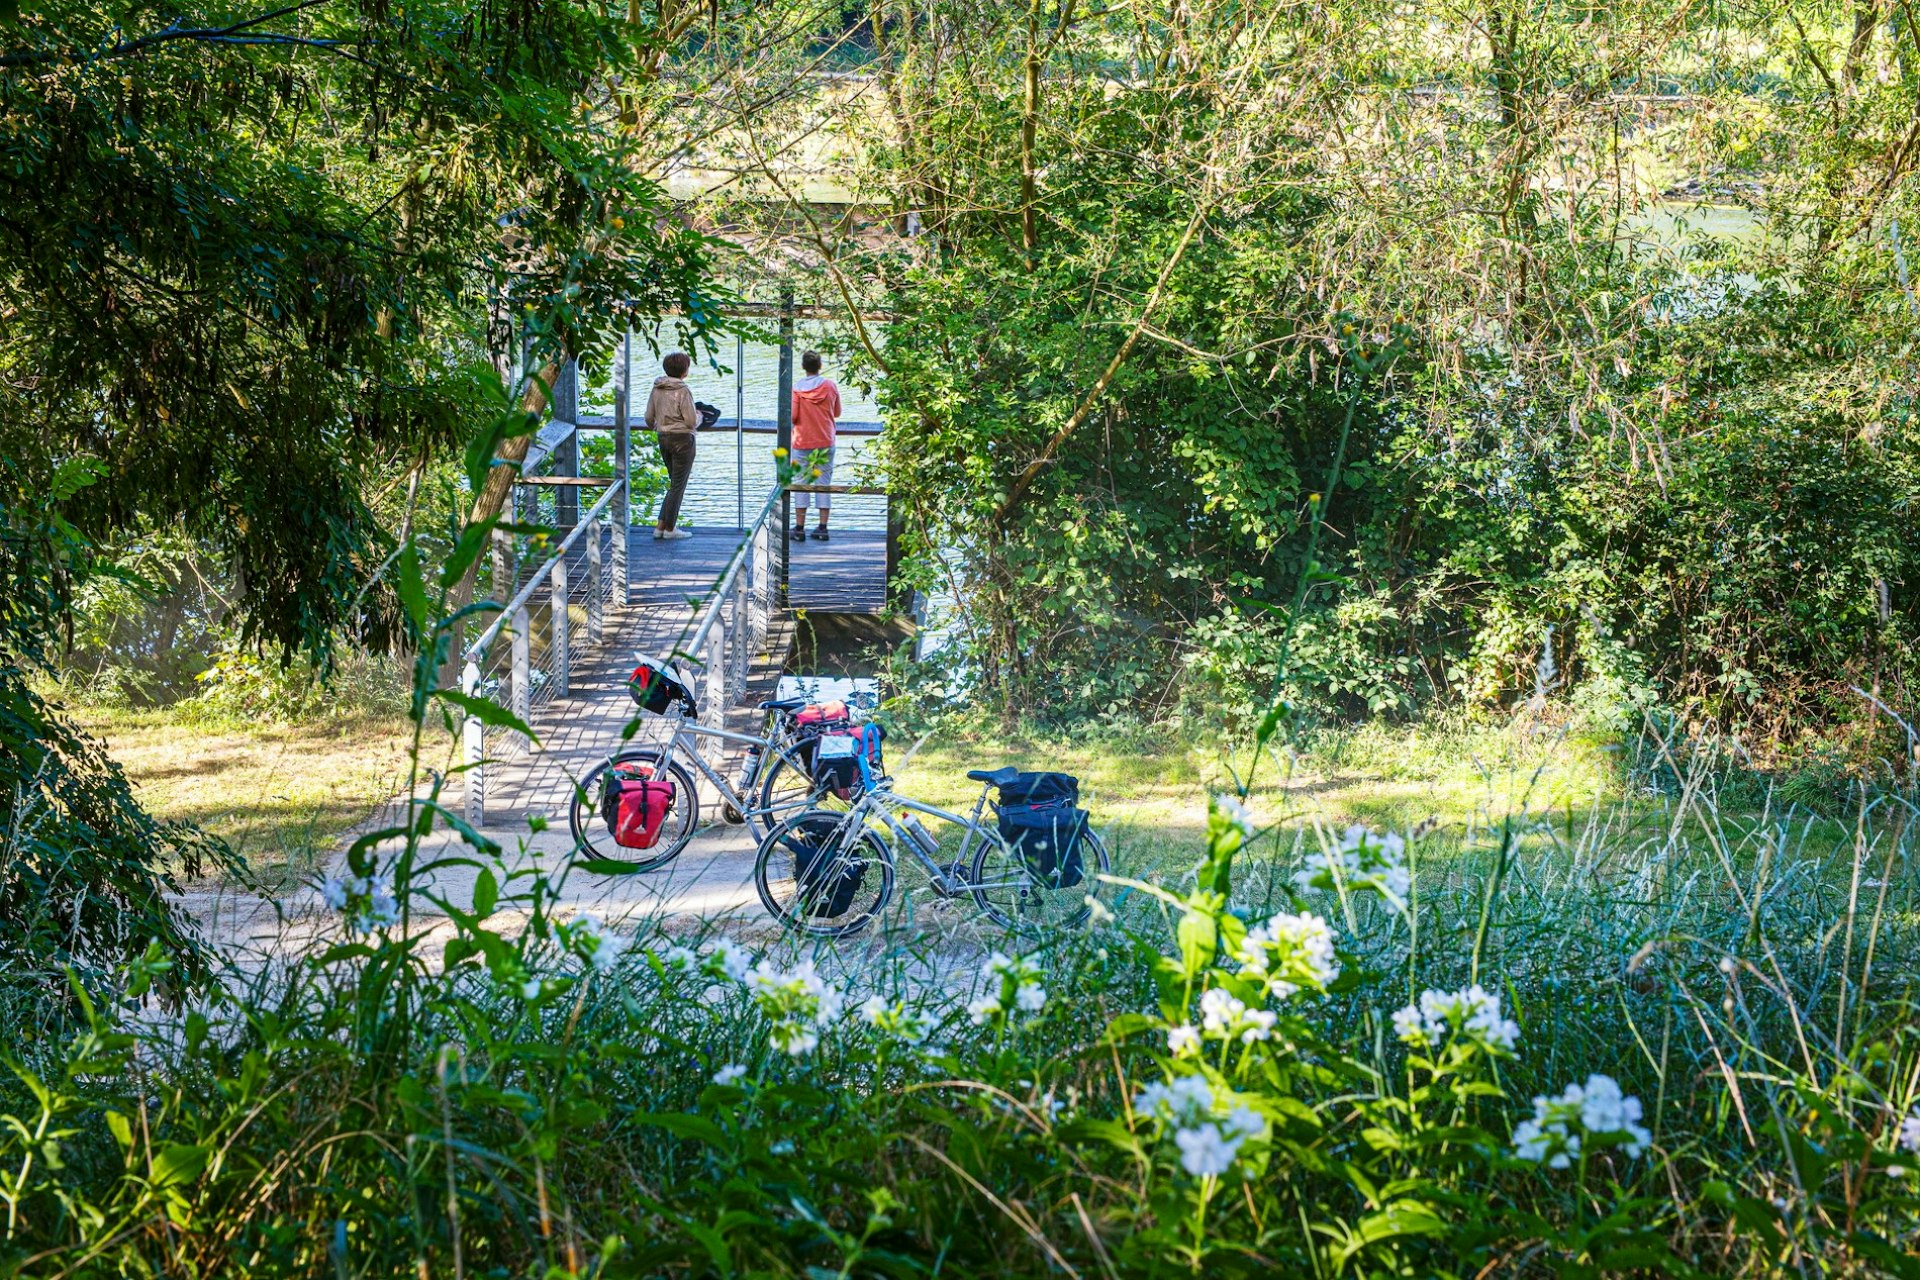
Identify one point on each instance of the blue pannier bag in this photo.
(848, 760)
(1040, 819)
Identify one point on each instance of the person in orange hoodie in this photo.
(816, 410)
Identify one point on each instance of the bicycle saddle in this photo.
(1000, 777)
(784, 704)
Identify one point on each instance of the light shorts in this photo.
(813, 466)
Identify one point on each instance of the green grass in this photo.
(281, 794)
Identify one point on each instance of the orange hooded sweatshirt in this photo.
(816, 407)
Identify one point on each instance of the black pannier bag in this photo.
(827, 878)
(709, 414)
(1040, 819)
(654, 688)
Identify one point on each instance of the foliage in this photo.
(1640, 463)
(1280, 1063)
(83, 869)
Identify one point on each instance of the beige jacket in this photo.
(670, 407)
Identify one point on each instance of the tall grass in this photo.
(538, 1095)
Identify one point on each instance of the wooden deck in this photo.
(847, 574)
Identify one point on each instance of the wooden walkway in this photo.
(670, 584)
(846, 574)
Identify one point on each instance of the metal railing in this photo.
(553, 620)
(733, 627)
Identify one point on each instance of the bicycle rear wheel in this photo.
(1014, 893)
(817, 877)
(593, 836)
(787, 789)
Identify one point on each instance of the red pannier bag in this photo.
(635, 804)
(814, 721)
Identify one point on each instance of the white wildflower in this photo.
(1362, 860)
(727, 958)
(1185, 1101)
(595, 943)
(798, 1002)
(1258, 1025)
(1597, 1109)
(679, 959)
(1183, 1040)
(1219, 1011)
(911, 1026)
(1288, 953)
(1910, 1132)
(367, 902)
(1011, 982)
(1471, 1014)
(1205, 1152)
(981, 1008)
(732, 1073)
(1230, 807)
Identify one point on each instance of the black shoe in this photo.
(819, 535)
(798, 535)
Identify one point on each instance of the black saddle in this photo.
(1000, 777)
(784, 704)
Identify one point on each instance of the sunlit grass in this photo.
(281, 794)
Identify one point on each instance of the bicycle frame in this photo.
(681, 732)
(883, 802)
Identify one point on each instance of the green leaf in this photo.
(486, 892)
(407, 581)
(604, 867)
(489, 713)
(180, 1163)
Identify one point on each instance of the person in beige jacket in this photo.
(670, 412)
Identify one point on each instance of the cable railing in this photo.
(733, 627)
(553, 620)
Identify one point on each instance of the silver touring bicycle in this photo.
(641, 805)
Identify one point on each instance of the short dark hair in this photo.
(810, 361)
(676, 364)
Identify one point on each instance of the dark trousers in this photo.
(676, 450)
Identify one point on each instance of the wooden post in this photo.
(560, 622)
(783, 419)
(473, 740)
(522, 695)
(622, 466)
(566, 455)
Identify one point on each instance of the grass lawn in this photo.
(280, 794)
(1148, 791)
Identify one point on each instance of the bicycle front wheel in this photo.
(1032, 899)
(817, 876)
(593, 834)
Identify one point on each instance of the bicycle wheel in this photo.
(1017, 896)
(593, 837)
(817, 878)
(786, 789)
